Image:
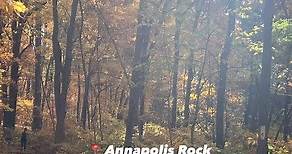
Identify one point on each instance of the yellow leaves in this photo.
(26, 103)
(193, 96)
(155, 129)
(19, 7)
(208, 90)
(211, 110)
(184, 77)
(10, 6)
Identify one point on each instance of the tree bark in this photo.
(190, 69)
(221, 99)
(9, 116)
(287, 97)
(3, 69)
(37, 115)
(174, 92)
(288, 88)
(141, 122)
(78, 97)
(2, 25)
(85, 103)
(188, 89)
(264, 90)
(87, 75)
(28, 88)
(62, 73)
(121, 106)
(141, 56)
(251, 111)
(60, 106)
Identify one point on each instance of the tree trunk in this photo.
(141, 122)
(60, 70)
(3, 91)
(221, 100)
(47, 90)
(141, 56)
(120, 107)
(60, 106)
(251, 110)
(2, 25)
(78, 97)
(191, 70)
(98, 100)
(250, 115)
(9, 116)
(28, 88)
(3, 94)
(287, 97)
(198, 91)
(88, 116)
(165, 9)
(100, 114)
(188, 89)
(85, 102)
(116, 94)
(264, 88)
(37, 115)
(286, 121)
(175, 69)
(87, 75)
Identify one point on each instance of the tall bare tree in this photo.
(264, 83)
(174, 93)
(190, 68)
(221, 98)
(16, 28)
(62, 72)
(36, 115)
(140, 61)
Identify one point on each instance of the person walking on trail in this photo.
(23, 139)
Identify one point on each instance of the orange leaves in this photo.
(5, 56)
(2, 3)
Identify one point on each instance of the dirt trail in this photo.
(16, 149)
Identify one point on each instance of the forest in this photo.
(84, 76)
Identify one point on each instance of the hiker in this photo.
(23, 139)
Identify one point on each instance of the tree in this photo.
(17, 28)
(264, 85)
(37, 115)
(140, 61)
(3, 85)
(88, 75)
(78, 95)
(288, 88)
(62, 72)
(221, 99)
(190, 69)
(174, 92)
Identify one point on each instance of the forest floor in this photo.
(240, 140)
